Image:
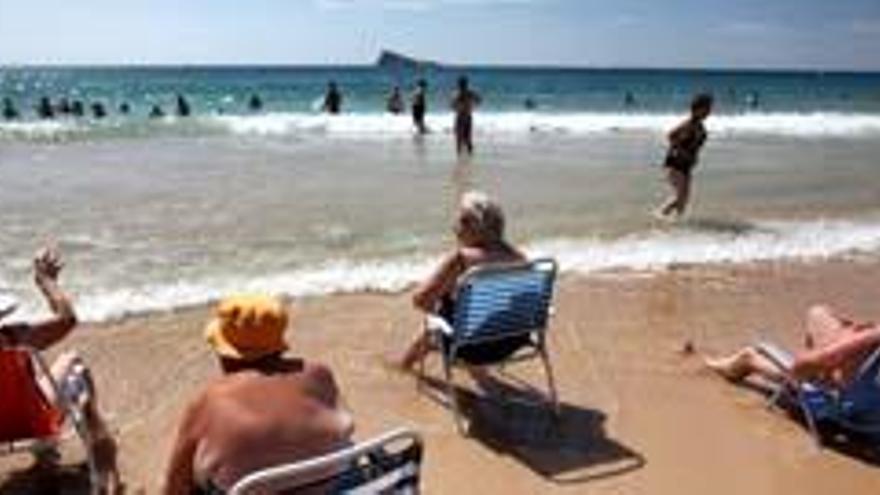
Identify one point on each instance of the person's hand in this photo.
(47, 265)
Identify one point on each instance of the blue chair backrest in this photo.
(863, 394)
(498, 301)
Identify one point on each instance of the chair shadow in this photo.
(59, 480)
(569, 448)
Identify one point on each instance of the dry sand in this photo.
(638, 415)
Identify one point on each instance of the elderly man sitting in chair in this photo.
(265, 410)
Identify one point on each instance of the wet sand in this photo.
(638, 415)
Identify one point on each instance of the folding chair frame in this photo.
(373, 449)
(435, 323)
(800, 392)
(71, 411)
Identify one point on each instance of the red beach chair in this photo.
(28, 419)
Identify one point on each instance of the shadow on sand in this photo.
(569, 448)
(59, 480)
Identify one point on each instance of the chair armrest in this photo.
(436, 323)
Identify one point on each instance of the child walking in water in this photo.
(463, 103)
(685, 142)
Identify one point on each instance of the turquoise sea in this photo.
(154, 214)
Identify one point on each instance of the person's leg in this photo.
(683, 191)
(75, 381)
(745, 362)
(678, 180)
(459, 135)
(823, 327)
(416, 352)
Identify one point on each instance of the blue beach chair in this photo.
(852, 409)
(502, 308)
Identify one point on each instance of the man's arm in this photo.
(323, 386)
(179, 476)
(43, 334)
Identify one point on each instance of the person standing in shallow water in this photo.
(685, 143)
(420, 106)
(332, 99)
(464, 102)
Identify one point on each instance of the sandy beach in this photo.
(638, 416)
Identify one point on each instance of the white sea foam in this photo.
(383, 126)
(715, 244)
(501, 123)
(44, 129)
(694, 243)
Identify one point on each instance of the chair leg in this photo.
(812, 426)
(420, 385)
(551, 382)
(453, 396)
(775, 397)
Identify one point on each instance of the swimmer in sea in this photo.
(464, 102)
(685, 143)
(44, 109)
(255, 104)
(76, 108)
(63, 106)
(98, 110)
(395, 101)
(182, 106)
(9, 110)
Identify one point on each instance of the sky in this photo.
(807, 34)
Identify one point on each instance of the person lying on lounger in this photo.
(835, 347)
(479, 230)
(265, 410)
(68, 370)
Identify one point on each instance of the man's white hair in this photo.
(482, 215)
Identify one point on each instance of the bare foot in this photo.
(395, 364)
(724, 366)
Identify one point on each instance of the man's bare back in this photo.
(252, 419)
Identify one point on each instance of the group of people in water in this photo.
(268, 408)
(46, 109)
(464, 102)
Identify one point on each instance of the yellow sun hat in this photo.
(248, 327)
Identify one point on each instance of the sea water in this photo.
(154, 214)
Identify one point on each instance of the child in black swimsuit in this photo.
(685, 143)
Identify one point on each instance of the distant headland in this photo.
(394, 60)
